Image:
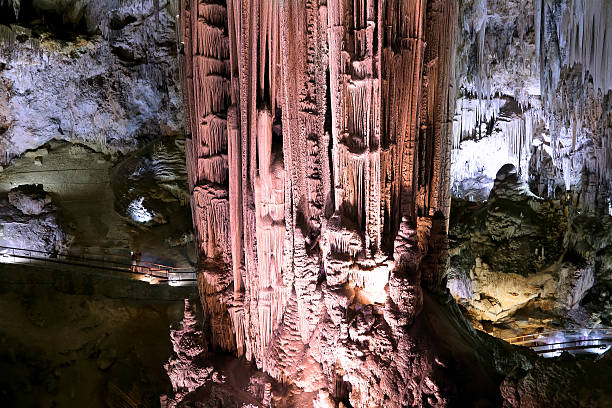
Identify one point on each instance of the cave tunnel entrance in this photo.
(63, 23)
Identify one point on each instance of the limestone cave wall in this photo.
(319, 167)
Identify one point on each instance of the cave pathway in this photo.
(140, 270)
(576, 341)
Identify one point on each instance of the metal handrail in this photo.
(140, 268)
(82, 258)
(571, 348)
(603, 339)
(535, 336)
(538, 341)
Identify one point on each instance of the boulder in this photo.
(30, 199)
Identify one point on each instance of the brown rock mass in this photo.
(319, 163)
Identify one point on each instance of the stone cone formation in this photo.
(318, 131)
(184, 368)
(319, 165)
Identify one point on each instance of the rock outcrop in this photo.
(29, 220)
(95, 72)
(30, 199)
(520, 263)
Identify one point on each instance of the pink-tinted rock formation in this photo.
(315, 128)
(319, 164)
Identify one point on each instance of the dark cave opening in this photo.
(57, 23)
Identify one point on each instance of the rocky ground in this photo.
(519, 266)
(72, 338)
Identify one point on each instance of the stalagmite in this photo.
(330, 132)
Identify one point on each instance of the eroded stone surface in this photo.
(29, 220)
(30, 199)
(110, 86)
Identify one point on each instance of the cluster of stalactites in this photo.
(476, 119)
(575, 59)
(580, 29)
(583, 34)
(307, 199)
(486, 29)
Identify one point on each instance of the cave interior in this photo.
(306, 203)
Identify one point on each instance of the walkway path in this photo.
(153, 273)
(576, 341)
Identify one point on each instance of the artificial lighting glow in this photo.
(147, 278)
(583, 341)
(7, 258)
(138, 212)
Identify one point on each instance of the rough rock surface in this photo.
(28, 219)
(200, 377)
(589, 241)
(29, 199)
(77, 338)
(151, 193)
(564, 382)
(109, 82)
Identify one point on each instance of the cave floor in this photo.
(79, 182)
(83, 340)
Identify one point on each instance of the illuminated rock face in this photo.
(510, 268)
(498, 112)
(319, 165)
(105, 76)
(534, 90)
(318, 132)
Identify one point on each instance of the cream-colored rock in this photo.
(494, 295)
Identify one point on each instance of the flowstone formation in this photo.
(534, 91)
(319, 167)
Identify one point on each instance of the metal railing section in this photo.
(552, 343)
(162, 273)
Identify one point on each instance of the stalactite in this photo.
(207, 89)
(437, 108)
(402, 58)
(575, 58)
(585, 34)
(313, 180)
